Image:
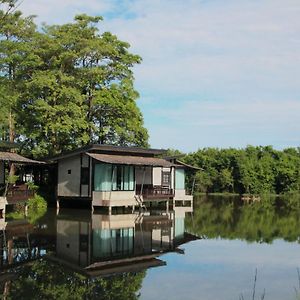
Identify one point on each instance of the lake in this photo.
(223, 249)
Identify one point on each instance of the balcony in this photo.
(150, 192)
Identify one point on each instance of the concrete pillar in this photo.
(57, 206)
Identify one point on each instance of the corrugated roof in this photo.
(16, 158)
(131, 160)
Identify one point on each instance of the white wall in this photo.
(114, 198)
(157, 176)
(1, 172)
(113, 221)
(69, 184)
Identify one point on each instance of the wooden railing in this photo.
(18, 193)
(155, 192)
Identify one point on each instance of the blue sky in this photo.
(214, 73)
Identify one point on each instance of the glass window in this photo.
(179, 179)
(123, 178)
(113, 177)
(103, 177)
(166, 178)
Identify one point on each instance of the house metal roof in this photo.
(17, 158)
(131, 160)
(109, 149)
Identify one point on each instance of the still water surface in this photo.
(210, 253)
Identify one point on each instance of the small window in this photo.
(69, 171)
(85, 175)
(166, 178)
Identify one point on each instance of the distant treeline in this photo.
(252, 170)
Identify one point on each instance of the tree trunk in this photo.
(12, 168)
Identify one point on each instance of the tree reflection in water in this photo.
(45, 280)
(227, 218)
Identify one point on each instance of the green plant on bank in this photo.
(11, 180)
(31, 186)
(36, 208)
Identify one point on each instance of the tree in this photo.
(81, 91)
(6, 7)
(45, 280)
(16, 57)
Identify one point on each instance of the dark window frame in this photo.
(85, 175)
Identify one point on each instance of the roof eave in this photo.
(109, 148)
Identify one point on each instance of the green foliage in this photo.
(37, 207)
(12, 179)
(66, 86)
(253, 170)
(45, 280)
(31, 186)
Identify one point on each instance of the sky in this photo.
(215, 73)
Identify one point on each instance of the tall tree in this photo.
(82, 91)
(16, 57)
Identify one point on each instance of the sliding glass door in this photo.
(108, 177)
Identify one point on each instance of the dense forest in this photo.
(252, 170)
(65, 86)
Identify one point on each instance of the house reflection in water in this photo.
(96, 245)
(106, 244)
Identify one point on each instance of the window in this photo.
(166, 178)
(85, 174)
(103, 177)
(179, 179)
(123, 178)
(109, 177)
(69, 172)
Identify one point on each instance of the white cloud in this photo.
(243, 54)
